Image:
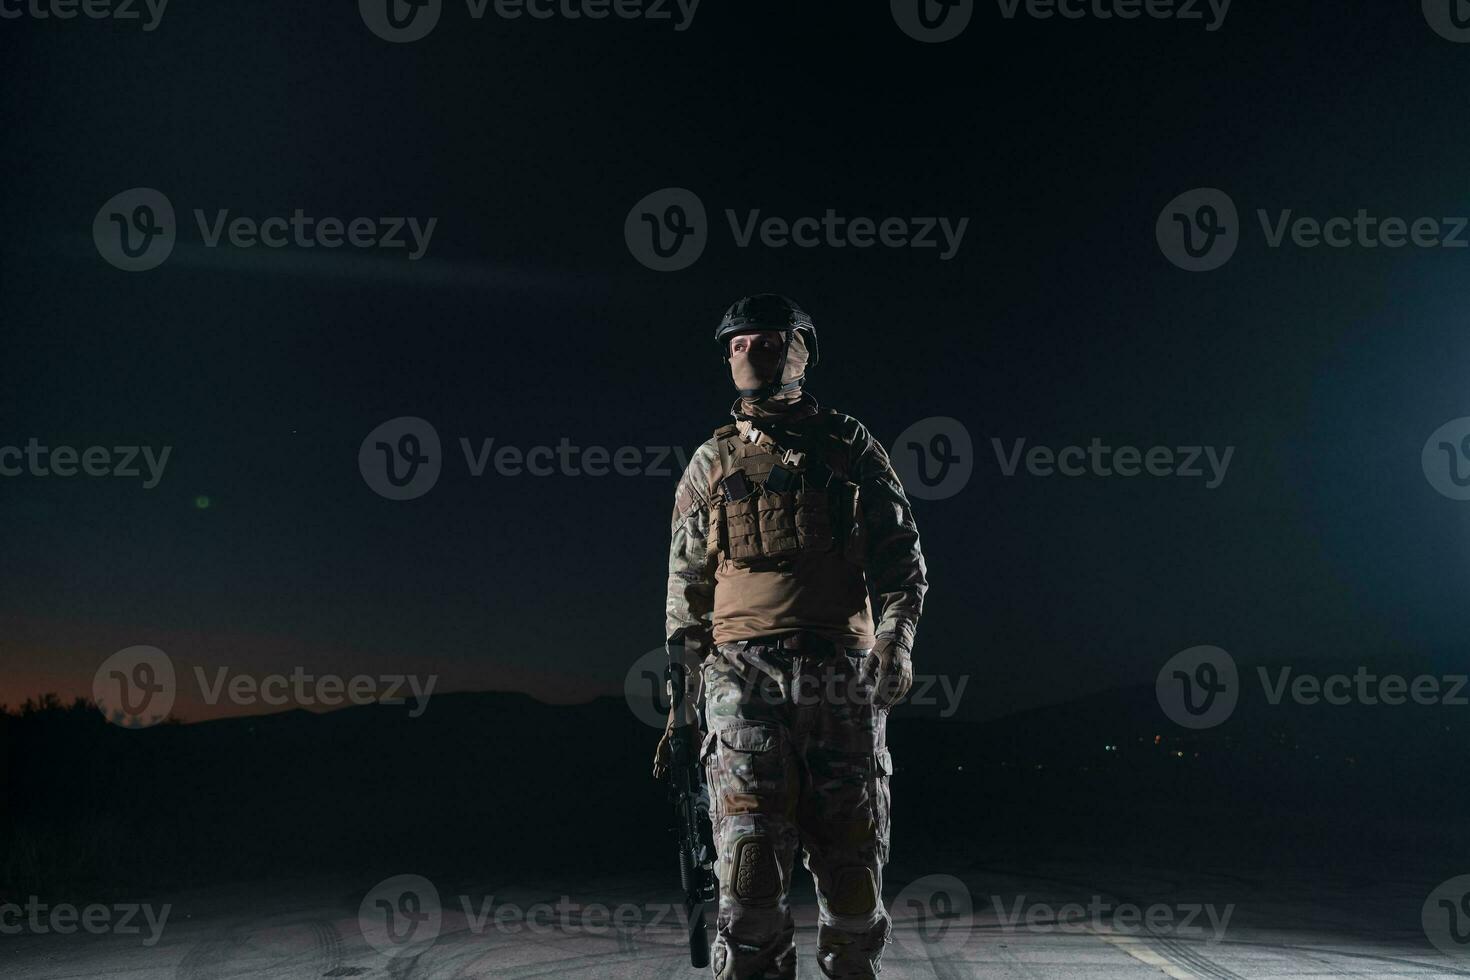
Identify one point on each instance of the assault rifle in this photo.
(691, 828)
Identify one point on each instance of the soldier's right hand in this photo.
(663, 756)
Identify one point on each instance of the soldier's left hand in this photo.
(893, 670)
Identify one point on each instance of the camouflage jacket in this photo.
(893, 563)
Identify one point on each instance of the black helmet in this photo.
(766, 311)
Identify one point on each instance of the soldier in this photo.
(782, 522)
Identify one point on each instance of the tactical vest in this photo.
(774, 500)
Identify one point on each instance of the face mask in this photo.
(748, 376)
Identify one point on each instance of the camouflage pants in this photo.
(796, 756)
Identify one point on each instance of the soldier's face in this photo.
(761, 348)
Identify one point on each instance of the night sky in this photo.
(528, 321)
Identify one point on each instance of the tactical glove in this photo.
(892, 669)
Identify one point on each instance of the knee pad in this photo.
(854, 891)
(756, 879)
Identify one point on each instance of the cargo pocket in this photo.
(752, 772)
(777, 524)
(882, 800)
(741, 536)
(710, 760)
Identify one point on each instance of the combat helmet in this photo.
(769, 311)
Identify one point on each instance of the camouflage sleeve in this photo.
(691, 594)
(895, 565)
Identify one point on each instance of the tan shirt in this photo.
(821, 592)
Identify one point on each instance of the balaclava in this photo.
(746, 376)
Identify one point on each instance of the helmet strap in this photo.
(774, 388)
